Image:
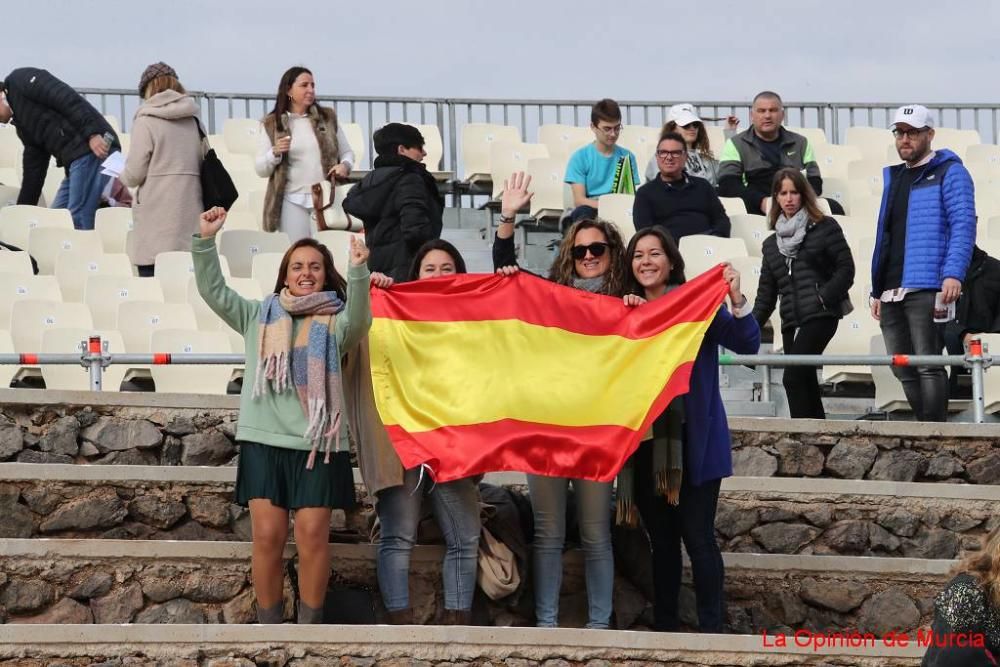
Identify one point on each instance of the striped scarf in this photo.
(315, 360)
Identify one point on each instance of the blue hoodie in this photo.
(940, 224)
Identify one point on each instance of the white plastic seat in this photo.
(854, 334)
(18, 287)
(356, 138)
(339, 244)
(173, 269)
(30, 317)
(642, 142)
(869, 171)
(749, 269)
(265, 269)
(113, 225)
(832, 159)
(815, 135)
(138, 319)
(847, 191)
(240, 135)
(476, 140)
(8, 194)
(66, 340)
(190, 379)
(507, 157)
(958, 141)
(855, 226)
(17, 262)
(871, 141)
(206, 318)
(46, 244)
(701, 252)
(563, 140)
(548, 181)
(17, 221)
(991, 378)
(617, 208)
(240, 245)
(74, 268)
(733, 206)
(433, 145)
(105, 293)
(113, 122)
(7, 371)
(53, 181)
(753, 230)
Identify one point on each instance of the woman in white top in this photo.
(301, 144)
(701, 161)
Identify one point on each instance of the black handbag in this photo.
(217, 187)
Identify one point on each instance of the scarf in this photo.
(593, 285)
(313, 356)
(789, 232)
(668, 465)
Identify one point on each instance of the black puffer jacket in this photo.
(820, 275)
(51, 119)
(401, 210)
(978, 308)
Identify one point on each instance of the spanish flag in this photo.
(483, 373)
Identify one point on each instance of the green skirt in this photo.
(279, 474)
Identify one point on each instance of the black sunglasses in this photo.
(596, 249)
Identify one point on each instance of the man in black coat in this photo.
(398, 202)
(976, 311)
(53, 120)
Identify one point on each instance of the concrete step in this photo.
(756, 514)
(746, 407)
(456, 234)
(382, 646)
(121, 581)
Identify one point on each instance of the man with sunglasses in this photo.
(923, 246)
(602, 167)
(680, 203)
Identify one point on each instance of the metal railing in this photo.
(95, 357)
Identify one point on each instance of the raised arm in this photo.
(234, 310)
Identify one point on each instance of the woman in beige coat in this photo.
(164, 162)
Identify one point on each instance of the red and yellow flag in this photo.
(483, 373)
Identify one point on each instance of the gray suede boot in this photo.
(271, 615)
(308, 615)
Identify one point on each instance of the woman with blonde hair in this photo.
(969, 608)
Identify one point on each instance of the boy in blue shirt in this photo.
(602, 167)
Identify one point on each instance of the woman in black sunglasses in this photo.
(591, 258)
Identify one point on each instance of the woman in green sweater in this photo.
(294, 452)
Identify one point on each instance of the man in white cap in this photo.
(923, 246)
(701, 161)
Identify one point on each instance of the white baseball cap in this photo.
(914, 115)
(682, 114)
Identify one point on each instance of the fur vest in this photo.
(324, 122)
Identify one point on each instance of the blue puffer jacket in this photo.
(940, 224)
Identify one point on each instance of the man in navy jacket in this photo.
(926, 232)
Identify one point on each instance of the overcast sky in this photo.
(808, 50)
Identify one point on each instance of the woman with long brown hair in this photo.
(808, 264)
(591, 258)
(701, 160)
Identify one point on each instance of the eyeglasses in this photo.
(617, 129)
(912, 133)
(665, 154)
(596, 249)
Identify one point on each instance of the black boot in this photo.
(401, 617)
(271, 615)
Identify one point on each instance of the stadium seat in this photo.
(991, 379)
(138, 319)
(53, 180)
(869, 171)
(241, 135)
(113, 122)
(507, 157)
(66, 340)
(476, 140)
(264, 269)
(248, 288)
(982, 156)
(17, 221)
(240, 245)
(702, 252)
(959, 141)
(74, 267)
(359, 144)
(563, 140)
(8, 195)
(200, 379)
(815, 135)
(10, 178)
(853, 336)
(254, 199)
(753, 229)
(641, 141)
(242, 219)
(849, 193)
(104, 293)
(749, 269)
(432, 144)
(125, 139)
(45, 244)
(31, 317)
(18, 262)
(11, 148)
(7, 371)
(618, 209)
(856, 226)
(733, 206)
(552, 194)
(113, 225)
(832, 159)
(871, 141)
(716, 139)
(989, 230)
(173, 269)
(339, 244)
(18, 287)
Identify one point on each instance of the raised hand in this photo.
(515, 194)
(632, 300)
(212, 221)
(359, 251)
(282, 145)
(732, 278)
(508, 270)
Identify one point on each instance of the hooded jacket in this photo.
(940, 224)
(164, 162)
(51, 119)
(401, 210)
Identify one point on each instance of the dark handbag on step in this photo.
(217, 187)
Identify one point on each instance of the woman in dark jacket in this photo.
(398, 202)
(808, 263)
(698, 420)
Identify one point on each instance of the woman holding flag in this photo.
(673, 479)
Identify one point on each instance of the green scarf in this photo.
(668, 465)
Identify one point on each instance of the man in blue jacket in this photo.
(926, 232)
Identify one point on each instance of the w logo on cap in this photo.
(907, 111)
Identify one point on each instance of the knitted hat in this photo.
(153, 71)
(396, 134)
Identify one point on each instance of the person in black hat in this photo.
(398, 202)
(53, 120)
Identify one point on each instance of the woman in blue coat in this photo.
(703, 458)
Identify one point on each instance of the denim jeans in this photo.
(80, 191)
(593, 504)
(693, 520)
(456, 508)
(908, 327)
